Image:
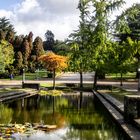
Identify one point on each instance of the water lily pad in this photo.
(51, 92)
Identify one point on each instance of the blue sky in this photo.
(38, 16)
(6, 4)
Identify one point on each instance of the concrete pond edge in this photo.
(130, 130)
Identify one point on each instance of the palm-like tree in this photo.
(5, 25)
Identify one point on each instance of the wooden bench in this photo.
(31, 85)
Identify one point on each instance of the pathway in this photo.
(74, 78)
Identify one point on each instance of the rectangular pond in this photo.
(68, 117)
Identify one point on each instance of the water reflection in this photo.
(5, 114)
(76, 118)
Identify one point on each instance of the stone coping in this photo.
(114, 102)
(133, 96)
(14, 95)
(132, 132)
(120, 106)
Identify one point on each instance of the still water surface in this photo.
(77, 117)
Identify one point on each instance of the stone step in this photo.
(14, 96)
(19, 94)
(9, 94)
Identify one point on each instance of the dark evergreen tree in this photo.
(49, 43)
(30, 40)
(2, 35)
(5, 25)
(10, 36)
(18, 63)
(18, 43)
(25, 52)
(37, 51)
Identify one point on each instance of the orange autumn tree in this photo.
(53, 62)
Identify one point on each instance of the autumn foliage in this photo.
(54, 62)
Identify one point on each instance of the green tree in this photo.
(79, 55)
(61, 47)
(6, 54)
(127, 24)
(135, 51)
(120, 58)
(92, 40)
(127, 29)
(100, 42)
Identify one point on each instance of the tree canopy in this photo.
(127, 24)
(53, 62)
(6, 55)
(49, 43)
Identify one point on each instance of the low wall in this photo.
(31, 85)
(131, 107)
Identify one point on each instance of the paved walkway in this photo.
(74, 78)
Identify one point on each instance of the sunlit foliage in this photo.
(53, 62)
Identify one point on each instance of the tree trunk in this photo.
(101, 75)
(81, 97)
(81, 79)
(53, 105)
(95, 80)
(121, 79)
(54, 79)
(137, 75)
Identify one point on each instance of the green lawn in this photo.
(126, 76)
(32, 76)
(117, 93)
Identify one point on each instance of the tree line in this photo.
(103, 45)
(20, 52)
(99, 44)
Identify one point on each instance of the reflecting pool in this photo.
(70, 117)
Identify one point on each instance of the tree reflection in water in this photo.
(5, 114)
(76, 117)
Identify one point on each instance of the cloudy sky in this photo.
(38, 16)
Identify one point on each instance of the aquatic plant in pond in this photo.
(51, 92)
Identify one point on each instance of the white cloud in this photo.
(4, 13)
(38, 16)
(27, 6)
(59, 16)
